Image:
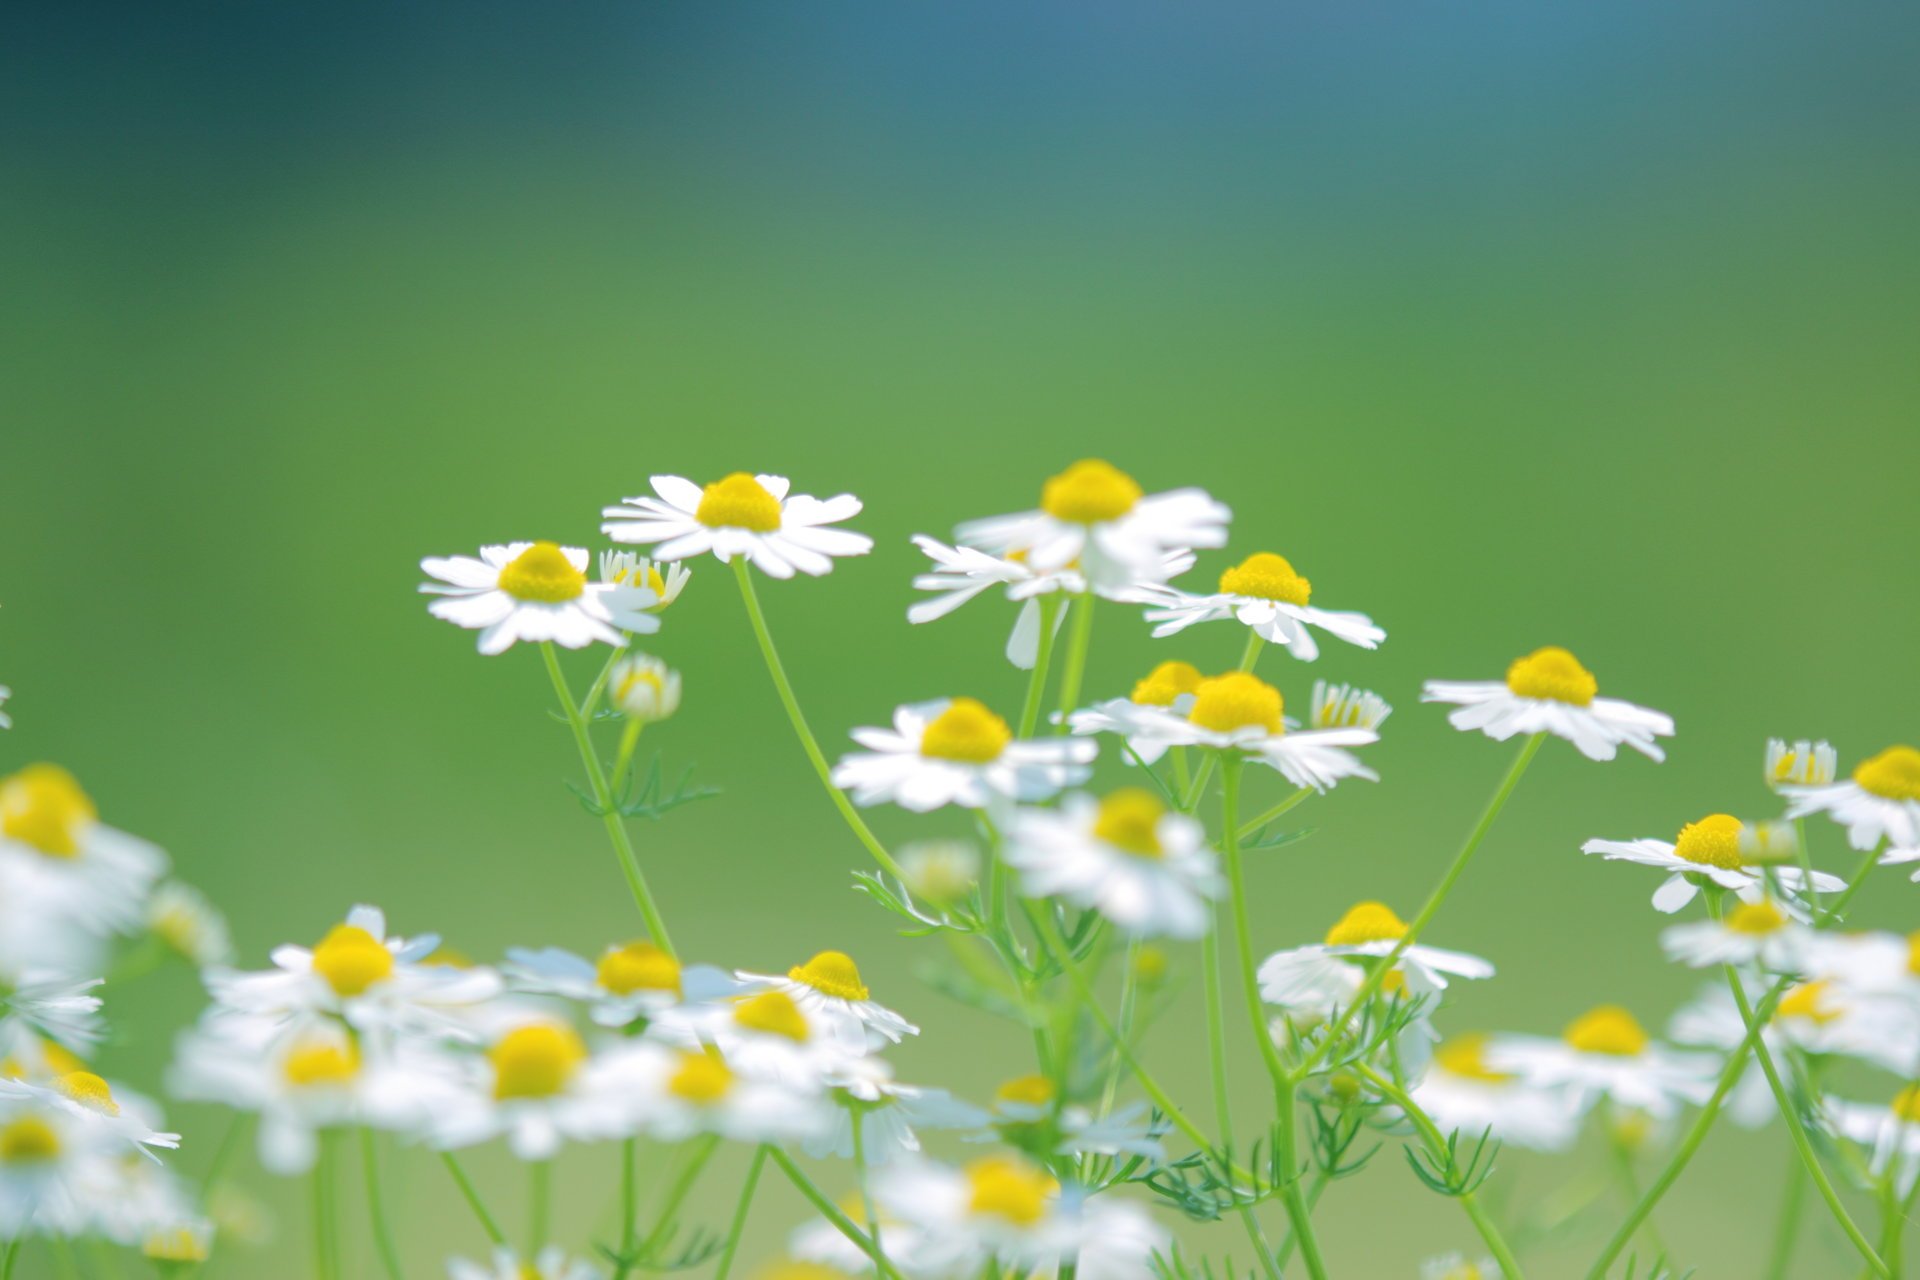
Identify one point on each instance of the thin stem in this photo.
(675, 1197)
(1839, 907)
(831, 1212)
(861, 1180)
(603, 800)
(376, 1207)
(1787, 1231)
(472, 1197)
(1216, 1030)
(739, 1223)
(1251, 654)
(539, 1204)
(629, 739)
(629, 1195)
(808, 743)
(1078, 643)
(1630, 1183)
(1806, 865)
(223, 1154)
(1252, 825)
(1042, 659)
(13, 1252)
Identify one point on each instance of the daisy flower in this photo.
(1799, 764)
(1464, 1095)
(538, 1088)
(1877, 966)
(1762, 933)
(1891, 1133)
(1606, 1054)
(535, 591)
(184, 1241)
(1317, 979)
(890, 1114)
(829, 985)
(90, 1100)
(1242, 713)
(1707, 850)
(52, 1005)
(1168, 687)
(1148, 870)
(644, 688)
(762, 1034)
(1458, 1266)
(741, 515)
(56, 853)
(821, 1252)
(1266, 596)
(674, 1094)
(956, 751)
(1881, 801)
(551, 1263)
(190, 925)
(1096, 517)
(1548, 691)
(627, 983)
(48, 1157)
(666, 579)
(1346, 706)
(941, 871)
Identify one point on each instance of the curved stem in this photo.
(13, 1253)
(1078, 643)
(472, 1197)
(1838, 909)
(808, 743)
(1042, 659)
(603, 800)
(739, 1223)
(1630, 1184)
(831, 1212)
(376, 1207)
(676, 1196)
(1252, 825)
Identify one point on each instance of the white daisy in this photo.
(1094, 516)
(1464, 1095)
(675, 1093)
(143, 1204)
(1458, 1266)
(956, 751)
(1882, 967)
(91, 1101)
(1762, 933)
(742, 515)
(1168, 687)
(538, 1088)
(763, 1034)
(1707, 850)
(49, 1157)
(818, 1244)
(943, 872)
(1880, 802)
(551, 1263)
(890, 1114)
(1242, 713)
(1548, 691)
(1890, 1133)
(1265, 595)
(52, 1005)
(1148, 870)
(1799, 764)
(829, 985)
(630, 982)
(1605, 1054)
(1346, 706)
(57, 854)
(1314, 980)
(178, 1241)
(191, 926)
(644, 688)
(535, 591)
(666, 579)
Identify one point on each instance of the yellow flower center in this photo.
(543, 574)
(321, 1062)
(738, 502)
(1714, 841)
(638, 966)
(59, 1059)
(774, 1013)
(701, 1078)
(28, 1140)
(1906, 1104)
(1913, 953)
(1166, 682)
(535, 1061)
(811, 1270)
(1608, 1029)
(1129, 819)
(1008, 1189)
(1756, 918)
(1090, 492)
(831, 973)
(178, 1244)
(352, 960)
(1553, 674)
(1150, 965)
(1808, 1000)
(1894, 774)
(1236, 700)
(1464, 1271)
(89, 1090)
(1367, 922)
(43, 806)
(966, 731)
(1031, 1091)
(1466, 1056)
(1266, 576)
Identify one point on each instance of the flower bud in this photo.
(645, 688)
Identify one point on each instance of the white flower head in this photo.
(1458, 1266)
(551, 1263)
(191, 926)
(52, 1005)
(49, 1158)
(73, 869)
(1606, 1054)
(1548, 691)
(1145, 868)
(666, 579)
(644, 688)
(1168, 688)
(1799, 764)
(741, 515)
(1891, 1134)
(91, 1102)
(535, 591)
(890, 1114)
(1095, 517)
(1346, 706)
(1881, 801)
(941, 871)
(956, 751)
(764, 1034)
(1265, 595)
(1240, 712)
(1312, 981)
(1707, 850)
(829, 985)
(1466, 1096)
(1763, 934)
(675, 1093)
(628, 982)
(539, 1088)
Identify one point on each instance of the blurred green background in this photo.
(1509, 326)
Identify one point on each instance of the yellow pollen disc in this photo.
(1554, 674)
(42, 806)
(28, 1140)
(774, 1013)
(1266, 576)
(321, 1062)
(1129, 819)
(966, 731)
(1714, 841)
(1808, 1000)
(352, 960)
(1090, 492)
(831, 973)
(1394, 984)
(738, 502)
(535, 1061)
(1150, 965)
(543, 574)
(1466, 1056)
(1166, 682)
(1894, 774)
(1913, 953)
(1608, 1029)
(807, 1270)
(59, 1059)
(1756, 918)
(1906, 1104)
(181, 1244)
(1008, 1189)
(701, 1078)
(638, 966)
(1367, 922)
(1236, 700)
(1031, 1091)
(89, 1091)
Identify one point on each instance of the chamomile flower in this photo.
(628, 982)
(1606, 1054)
(538, 1088)
(1317, 979)
(1464, 1095)
(57, 854)
(191, 926)
(48, 1157)
(1707, 850)
(821, 1252)
(666, 579)
(741, 515)
(762, 1034)
(133, 1200)
(829, 985)
(890, 1114)
(961, 573)
(1346, 706)
(1548, 691)
(1890, 1133)
(1458, 1266)
(52, 1005)
(644, 688)
(1884, 967)
(1096, 517)
(956, 751)
(1148, 870)
(182, 1241)
(1265, 595)
(1240, 712)
(676, 1093)
(90, 1100)
(551, 1263)
(1881, 801)
(1168, 687)
(1800, 764)
(1762, 933)
(943, 872)
(535, 591)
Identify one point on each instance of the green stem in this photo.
(603, 800)
(831, 1212)
(376, 1207)
(676, 1196)
(13, 1252)
(629, 1196)
(739, 1223)
(1806, 865)
(1252, 826)
(623, 760)
(1792, 1199)
(1630, 1183)
(808, 743)
(539, 1204)
(472, 1197)
(861, 1180)
(223, 1155)
(1042, 659)
(1075, 670)
(1216, 1030)
(1248, 657)
(1838, 910)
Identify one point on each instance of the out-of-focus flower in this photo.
(535, 591)
(956, 751)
